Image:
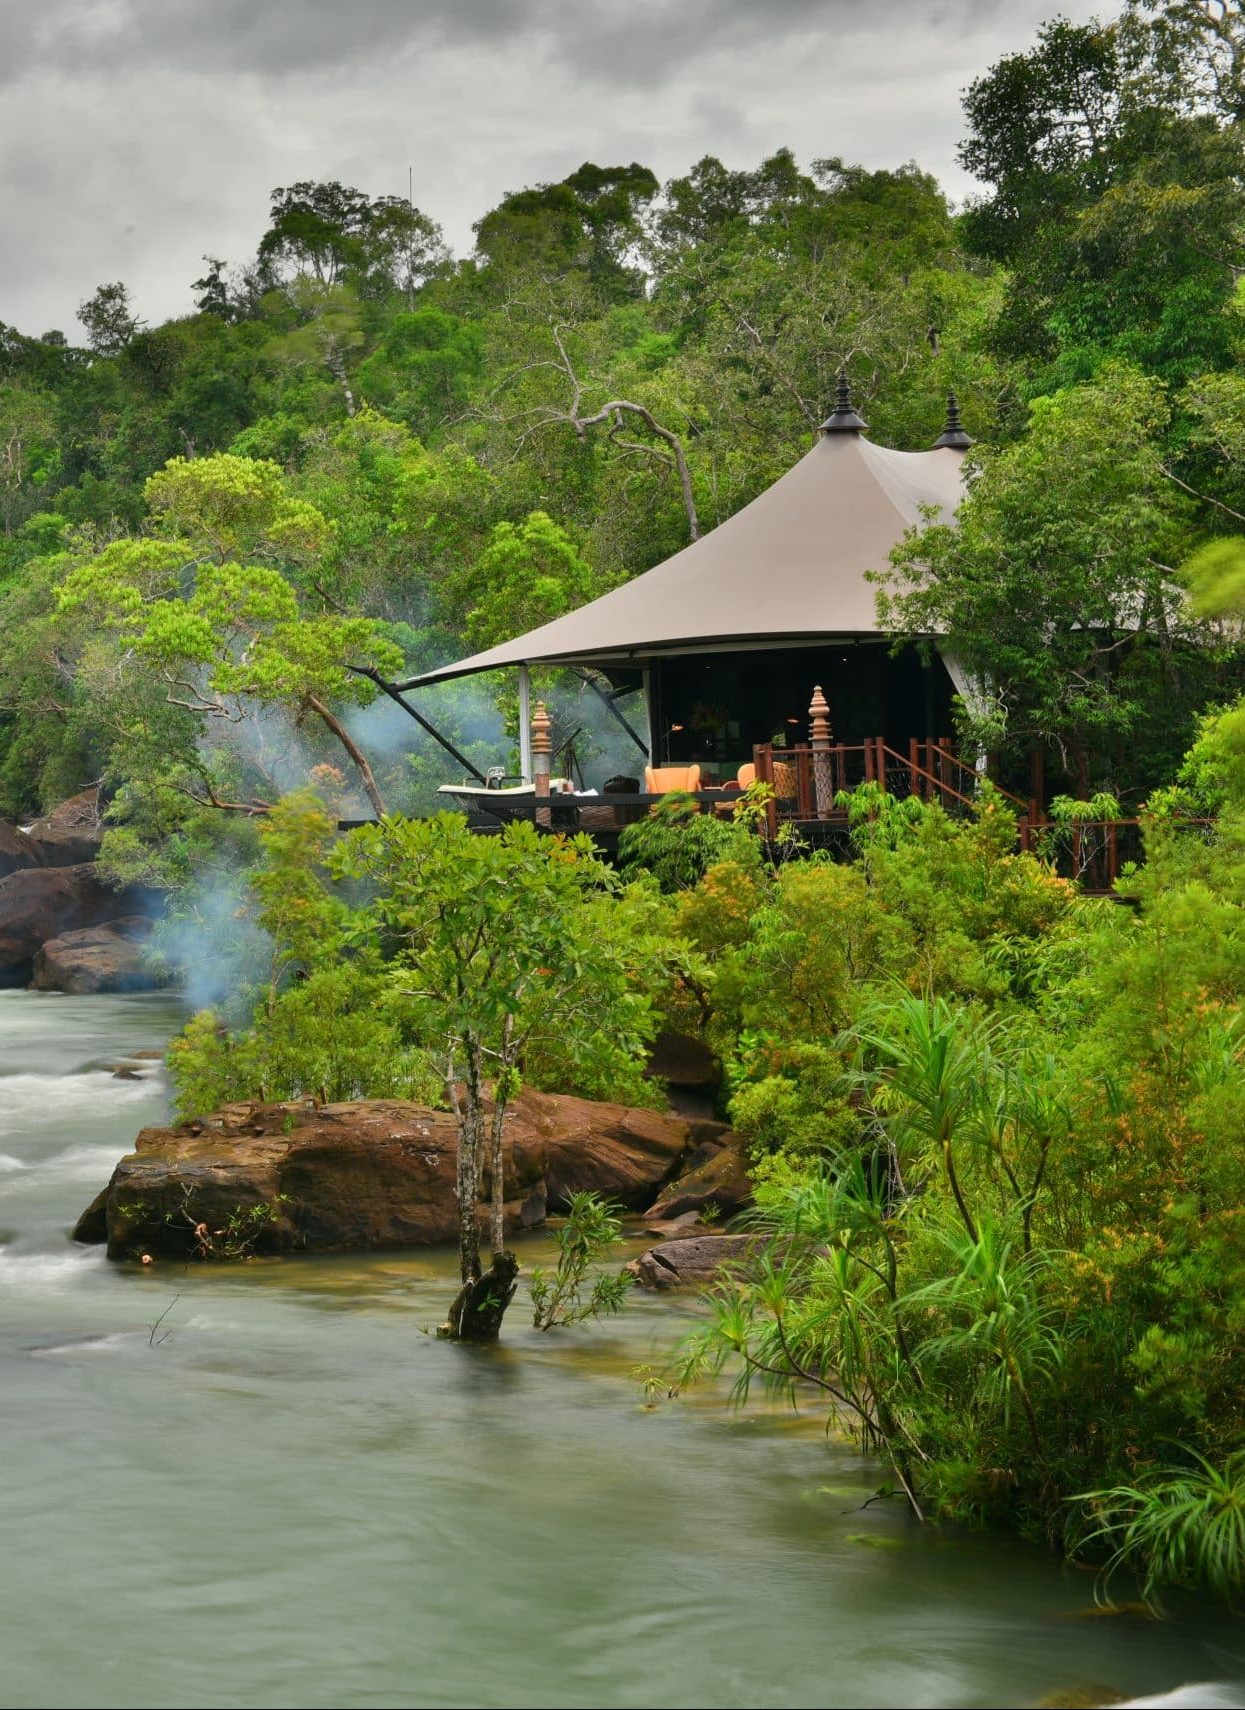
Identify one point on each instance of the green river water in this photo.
(296, 1498)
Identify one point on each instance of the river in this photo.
(287, 1494)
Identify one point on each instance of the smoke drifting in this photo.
(211, 942)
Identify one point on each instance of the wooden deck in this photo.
(804, 804)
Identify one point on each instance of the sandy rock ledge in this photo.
(377, 1173)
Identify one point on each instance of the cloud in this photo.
(136, 135)
(647, 41)
(279, 38)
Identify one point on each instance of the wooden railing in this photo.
(929, 770)
(1091, 852)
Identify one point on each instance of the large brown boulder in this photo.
(70, 834)
(16, 850)
(39, 903)
(377, 1173)
(106, 958)
(715, 1177)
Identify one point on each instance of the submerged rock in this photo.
(691, 1260)
(376, 1173)
(104, 958)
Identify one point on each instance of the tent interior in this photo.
(713, 707)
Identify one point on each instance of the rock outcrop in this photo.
(40, 903)
(16, 850)
(70, 834)
(104, 958)
(692, 1260)
(377, 1173)
(714, 1178)
(50, 893)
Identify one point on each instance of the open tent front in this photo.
(715, 708)
(728, 638)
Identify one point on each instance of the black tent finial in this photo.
(954, 435)
(843, 417)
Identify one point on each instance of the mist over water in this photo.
(284, 1493)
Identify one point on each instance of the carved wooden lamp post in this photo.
(542, 757)
(542, 749)
(823, 775)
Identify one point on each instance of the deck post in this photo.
(823, 774)
(525, 724)
(763, 760)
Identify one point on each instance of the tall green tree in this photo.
(28, 451)
(588, 222)
(205, 613)
(1057, 586)
(500, 943)
(109, 318)
(1116, 194)
(340, 236)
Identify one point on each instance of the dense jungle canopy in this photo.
(360, 449)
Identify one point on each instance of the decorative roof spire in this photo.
(843, 418)
(953, 434)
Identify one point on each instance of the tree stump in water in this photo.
(481, 1304)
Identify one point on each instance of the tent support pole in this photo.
(607, 701)
(525, 723)
(391, 689)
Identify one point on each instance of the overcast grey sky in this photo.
(136, 135)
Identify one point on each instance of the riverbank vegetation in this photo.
(996, 1138)
(995, 1127)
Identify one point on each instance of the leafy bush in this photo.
(677, 843)
(1177, 1527)
(591, 1229)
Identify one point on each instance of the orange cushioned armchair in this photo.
(660, 780)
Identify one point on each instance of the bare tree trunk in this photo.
(352, 748)
(497, 1208)
(497, 1214)
(613, 413)
(481, 1302)
(1082, 770)
(470, 1138)
(338, 369)
(614, 409)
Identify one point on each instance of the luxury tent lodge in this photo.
(755, 652)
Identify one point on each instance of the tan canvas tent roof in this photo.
(788, 566)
